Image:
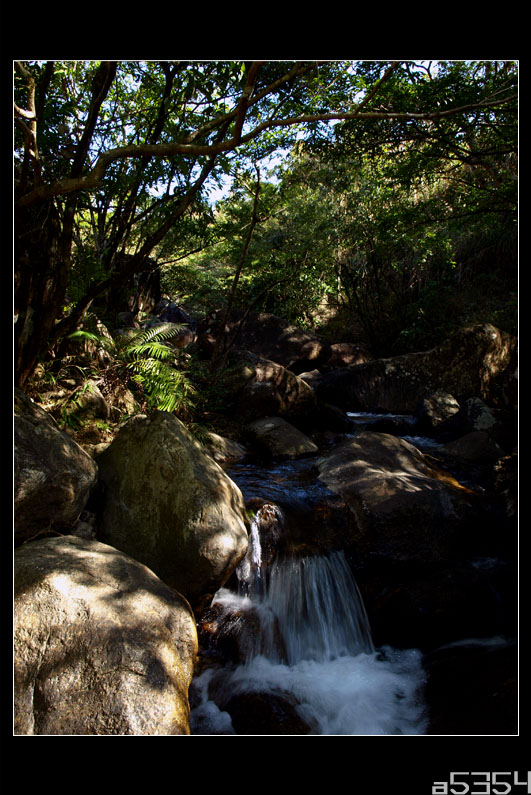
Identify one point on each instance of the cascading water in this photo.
(319, 609)
(308, 654)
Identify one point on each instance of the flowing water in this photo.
(305, 658)
(404, 426)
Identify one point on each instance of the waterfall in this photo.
(308, 659)
(315, 601)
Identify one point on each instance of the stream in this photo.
(298, 656)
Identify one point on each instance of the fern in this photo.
(144, 357)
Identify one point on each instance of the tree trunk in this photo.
(41, 277)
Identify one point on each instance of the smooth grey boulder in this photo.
(101, 645)
(168, 504)
(53, 475)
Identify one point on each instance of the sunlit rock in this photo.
(473, 361)
(101, 645)
(279, 439)
(434, 410)
(168, 504)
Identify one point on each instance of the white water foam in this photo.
(369, 694)
(326, 663)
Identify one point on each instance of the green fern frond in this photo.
(168, 389)
(164, 331)
(144, 355)
(156, 350)
(82, 335)
(100, 340)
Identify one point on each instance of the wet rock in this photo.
(402, 506)
(255, 713)
(425, 606)
(233, 634)
(472, 688)
(270, 526)
(256, 710)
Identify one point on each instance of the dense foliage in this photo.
(372, 200)
(399, 231)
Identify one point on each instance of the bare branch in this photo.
(25, 114)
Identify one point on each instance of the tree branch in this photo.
(27, 120)
(136, 263)
(186, 149)
(245, 98)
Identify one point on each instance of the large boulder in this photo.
(404, 507)
(416, 605)
(101, 645)
(168, 504)
(263, 388)
(475, 361)
(431, 557)
(53, 476)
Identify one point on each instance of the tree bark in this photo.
(43, 247)
(41, 280)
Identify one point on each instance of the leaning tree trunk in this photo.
(41, 275)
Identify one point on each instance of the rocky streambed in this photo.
(159, 579)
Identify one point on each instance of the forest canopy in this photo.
(371, 200)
